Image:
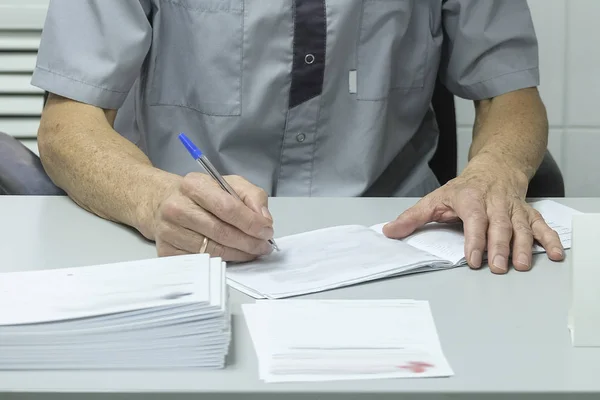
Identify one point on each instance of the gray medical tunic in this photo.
(301, 97)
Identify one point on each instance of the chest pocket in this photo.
(393, 48)
(198, 56)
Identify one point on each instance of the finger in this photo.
(175, 240)
(411, 219)
(230, 236)
(522, 240)
(227, 253)
(499, 236)
(209, 196)
(253, 196)
(472, 211)
(546, 236)
(185, 225)
(164, 249)
(180, 237)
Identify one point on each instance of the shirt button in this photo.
(309, 58)
(301, 137)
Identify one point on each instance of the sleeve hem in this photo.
(74, 89)
(499, 85)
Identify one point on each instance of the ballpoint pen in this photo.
(197, 154)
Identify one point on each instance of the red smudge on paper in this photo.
(416, 366)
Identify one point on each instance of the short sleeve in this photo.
(92, 50)
(490, 48)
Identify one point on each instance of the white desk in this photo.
(501, 334)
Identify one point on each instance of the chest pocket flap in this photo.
(393, 48)
(198, 55)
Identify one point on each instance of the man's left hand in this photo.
(489, 198)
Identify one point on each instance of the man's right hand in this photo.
(110, 176)
(196, 207)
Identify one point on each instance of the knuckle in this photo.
(220, 233)
(550, 235)
(162, 230)
(258, 196)
(189, 184)
(501, 223)
(522, 228)
(478, 216)
(226, 205)
(218, 250)
(432, 200)
(251, 225)
(536, 216)
(475, 238)
(262, 194)
(501, 248)
(171, 210)
(472, 193)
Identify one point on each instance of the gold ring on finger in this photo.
(204, 245)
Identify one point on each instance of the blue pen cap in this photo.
(190, 146)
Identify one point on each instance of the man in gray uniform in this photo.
(301, 98)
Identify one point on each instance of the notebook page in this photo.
(324, 259)
(69, 293)
(447, 241)
(559, 217)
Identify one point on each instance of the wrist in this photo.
(157, 185)
(524, 162)
(500, 167)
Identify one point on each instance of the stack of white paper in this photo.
(319, 340)
(340, 256)
(159, 313)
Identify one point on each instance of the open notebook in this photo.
(340, 256)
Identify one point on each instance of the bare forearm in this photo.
(98, 168)
(512, 128)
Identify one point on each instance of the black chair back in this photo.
(21, 171)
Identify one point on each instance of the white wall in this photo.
(569, 38)
(570, 74)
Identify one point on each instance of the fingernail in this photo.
(266, 233)
(266, 213)
(558, 250)
(500, 262)
(476, 258)
(523, 260)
